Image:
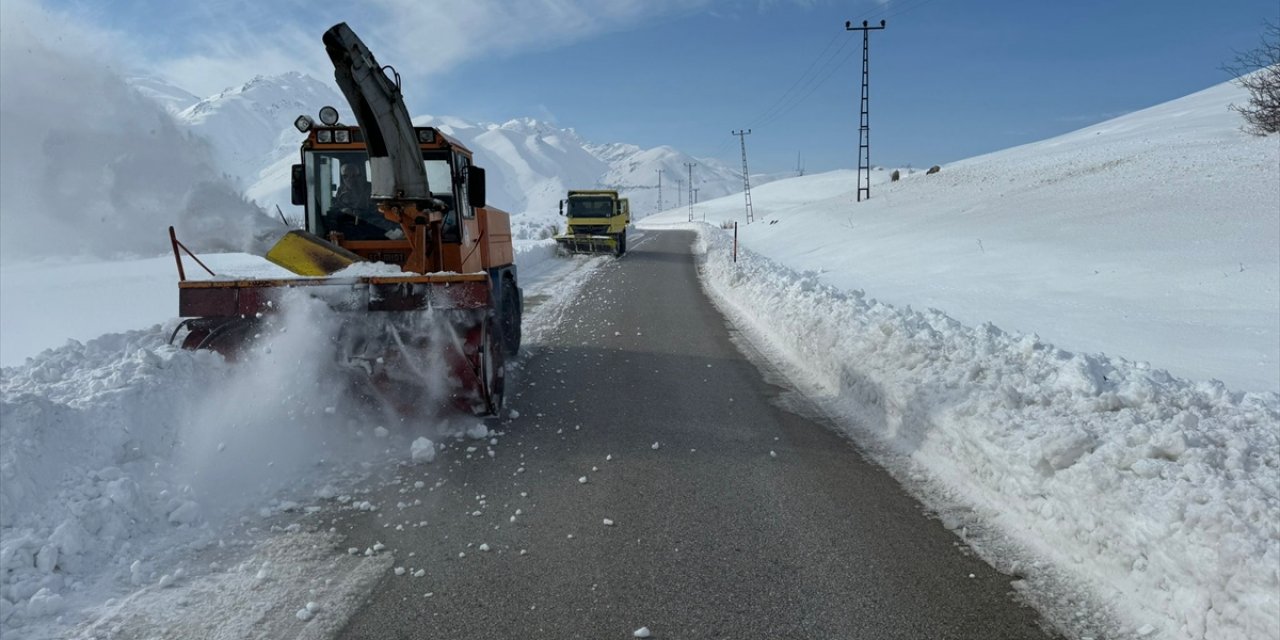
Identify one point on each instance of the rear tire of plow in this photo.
(511, 313)
(492, 368)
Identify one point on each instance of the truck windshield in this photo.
(598, 207)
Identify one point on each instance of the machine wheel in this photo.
(511, 316)
(620, 244)
(492, 369)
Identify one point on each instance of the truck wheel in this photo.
(492, 369)
(620, 244)
(511, 317)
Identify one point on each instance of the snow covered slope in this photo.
(250, 126)
(1154, 237)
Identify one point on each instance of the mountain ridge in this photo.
(531, 163)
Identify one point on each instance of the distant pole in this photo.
(864, 121)
(695, 196)
(659, 189)
(746, 176)
(679, 184)
(690, 166)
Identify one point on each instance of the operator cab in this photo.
(332, 184)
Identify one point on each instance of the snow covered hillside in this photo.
(1154, 237)
(531, 164)
(1107, 483)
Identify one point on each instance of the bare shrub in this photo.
(1258, 72)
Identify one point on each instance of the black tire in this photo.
(512, 314)
(620, 244)
(492, 369)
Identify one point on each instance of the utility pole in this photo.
(690, 166)
(659, 189)
(679, 185)
(864, 121)
(695, 196)
(799, 164)
(746, 176)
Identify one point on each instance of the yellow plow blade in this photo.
(307, 254)
(587, 244)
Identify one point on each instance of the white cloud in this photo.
(421, 39)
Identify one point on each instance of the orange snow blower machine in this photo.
(384, 191)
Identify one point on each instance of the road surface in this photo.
(731, 517)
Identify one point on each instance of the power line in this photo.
(746, 176)
(690, 166)
(864, 118)
(659, 189)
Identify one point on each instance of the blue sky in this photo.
(949, 79)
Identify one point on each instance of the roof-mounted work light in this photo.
(329, 115)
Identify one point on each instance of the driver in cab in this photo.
(353, 213)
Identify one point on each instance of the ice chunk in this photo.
(642, 632)
(186, 513)
(44, 603)
(608, 522)
(423, 450)
(381, 432)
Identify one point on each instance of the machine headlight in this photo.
(342, 135)
(324, 135)
(303, 124)
(329, 115)
(426, 135)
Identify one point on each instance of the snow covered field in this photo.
(1111, 485)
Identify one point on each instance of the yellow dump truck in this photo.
(596, 222)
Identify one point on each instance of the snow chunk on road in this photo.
(608, 522)
(642, 632)
(655, 446)
(423, 450)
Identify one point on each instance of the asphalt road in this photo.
(713, 536)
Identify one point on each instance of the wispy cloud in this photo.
(204, 53)
(439, 35)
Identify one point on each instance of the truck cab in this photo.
(597, 222)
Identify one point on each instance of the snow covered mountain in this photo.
(250, 126)
(530, 163)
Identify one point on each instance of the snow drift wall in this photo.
(1157, 492)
